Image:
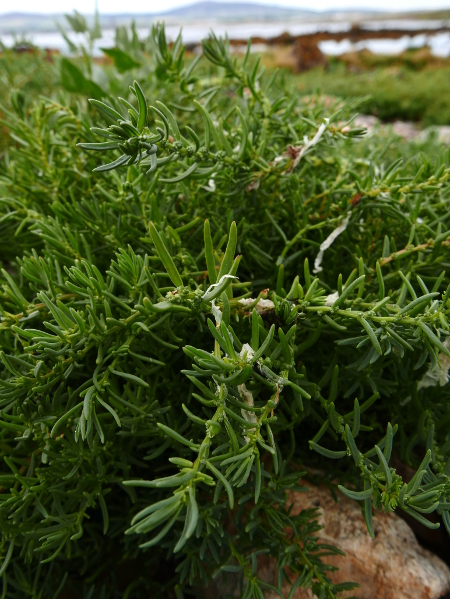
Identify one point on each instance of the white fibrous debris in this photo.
(434, 377)
(328, 242)
(247, 398)
(297, 152)
(263, 305)
(215, 309)
(216, 313)
(211, 185)
(315, 140)
(253, 185)
(246, 348)
(219, 282)
(419, 220)
(438, 376)
(330, 299)
(246, 301)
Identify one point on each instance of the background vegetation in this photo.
(406, 89)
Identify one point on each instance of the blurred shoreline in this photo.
(332, 37)
(312, 34)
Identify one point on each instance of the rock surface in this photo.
(307, 55)
(391, 566)
(405, 129)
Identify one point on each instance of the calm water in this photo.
(439, 42)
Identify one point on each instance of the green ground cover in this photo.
(392, 93)
(208, 281)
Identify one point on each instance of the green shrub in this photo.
(233, 284)
(398, 93)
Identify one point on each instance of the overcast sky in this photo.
(150, 6)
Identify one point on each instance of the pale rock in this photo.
(391, 566)
(441, 133)
(405, 129)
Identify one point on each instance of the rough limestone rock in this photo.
(391, 566)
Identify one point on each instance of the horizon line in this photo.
(229, 2)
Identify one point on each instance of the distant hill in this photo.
(226, 10)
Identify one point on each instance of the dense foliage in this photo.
(400, 90)
(207, 284)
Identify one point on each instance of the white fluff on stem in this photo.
(215, 309)
(328, 241)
